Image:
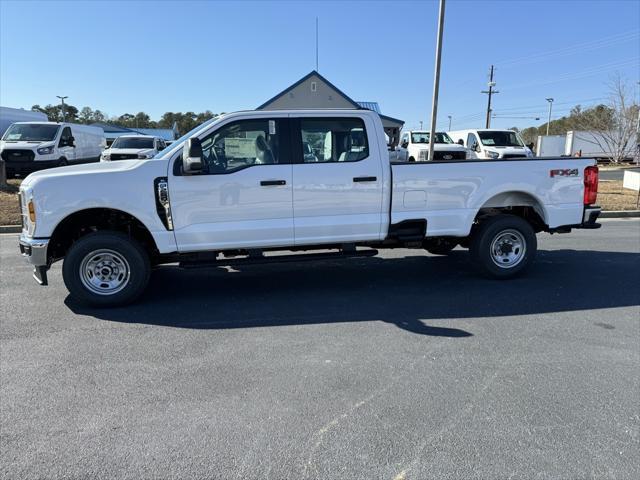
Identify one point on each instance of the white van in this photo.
(129, 147)
(29, 146)
(492, 143)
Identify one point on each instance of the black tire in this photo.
(441, 247)
(110, 252)
(411, 159)
(514, 250)
(62, 162)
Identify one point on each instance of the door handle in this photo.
(365, 179)
(272, 183)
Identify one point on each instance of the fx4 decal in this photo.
(564, 172)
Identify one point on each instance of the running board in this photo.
(261, 259)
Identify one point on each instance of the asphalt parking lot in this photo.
(400, 366)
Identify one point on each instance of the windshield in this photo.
(500, 139)
(30, 132)
(133, 142)
(177, 144)
(423, 137)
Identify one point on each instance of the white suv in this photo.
(130, 147)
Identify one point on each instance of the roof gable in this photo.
(322, 82)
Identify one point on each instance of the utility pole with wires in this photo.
(490, 92)
(449, 123)
(316, 44)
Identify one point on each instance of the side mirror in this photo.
(71, 142)
(192, 155)
(404, 144)
(476, 148)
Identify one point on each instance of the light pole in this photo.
(436, 80)
(420, 124)
(550, 100)
(64, 115)
(449, 123)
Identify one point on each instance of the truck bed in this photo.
(449, 194)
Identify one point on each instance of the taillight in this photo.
(590, 185)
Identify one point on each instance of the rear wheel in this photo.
(62, 162)
(503, 246)
(106, 269)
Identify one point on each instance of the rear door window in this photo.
(327, 140)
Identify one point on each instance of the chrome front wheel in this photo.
(104, 272)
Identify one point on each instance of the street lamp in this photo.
(550, 100)
(449, 123)
(64, 116)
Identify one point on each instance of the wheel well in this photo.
(515, 203)
(81, 223)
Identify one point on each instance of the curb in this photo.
(10, 228)
(620, 214)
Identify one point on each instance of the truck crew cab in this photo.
(244, 185)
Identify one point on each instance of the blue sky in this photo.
(223, 56)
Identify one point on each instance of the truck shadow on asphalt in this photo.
(405, 291)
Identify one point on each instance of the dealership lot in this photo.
(404, 365)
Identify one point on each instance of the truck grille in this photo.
(123, 156)
(15, 155)
(449, 155)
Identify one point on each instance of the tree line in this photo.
(617, 121)
(184, 121)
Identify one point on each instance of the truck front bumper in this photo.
(24, 167)
(34, 250)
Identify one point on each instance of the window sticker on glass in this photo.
(14, 136)
(240, 147)
(272, 127)
(489, 141)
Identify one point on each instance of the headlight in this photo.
(145, 155)
(28, 211)
(46, 150)
(32, 211)
(492, 154)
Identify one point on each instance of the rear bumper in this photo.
(34, 250)
(590, 217)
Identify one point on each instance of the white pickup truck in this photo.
(244, 185)
(414, 147)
